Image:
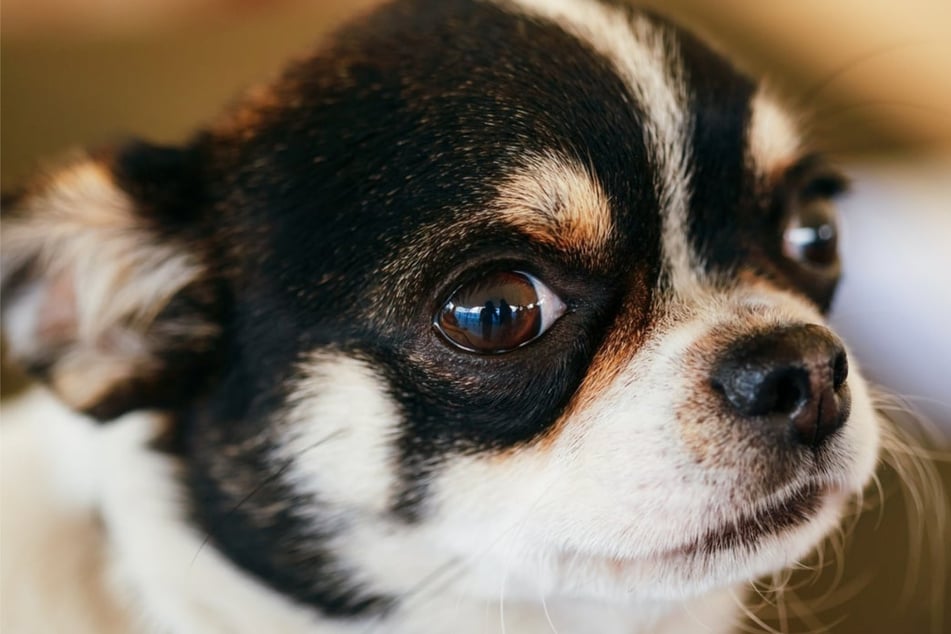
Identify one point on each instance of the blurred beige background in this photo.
(76, 71)
(874, 74)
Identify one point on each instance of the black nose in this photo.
(793, 377)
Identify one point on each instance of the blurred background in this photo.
(872, 77)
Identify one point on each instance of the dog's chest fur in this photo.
(489, 316)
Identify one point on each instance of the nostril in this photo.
(761, 392)
(791, 390)
(840, 370)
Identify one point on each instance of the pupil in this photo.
(499, 321)
(496, 314)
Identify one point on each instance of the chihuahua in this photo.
(488, 316)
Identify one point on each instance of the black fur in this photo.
(723, 200)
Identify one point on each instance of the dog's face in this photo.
(531, 290)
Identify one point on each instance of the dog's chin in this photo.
(756, 542)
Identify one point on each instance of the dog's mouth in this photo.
(748, 530)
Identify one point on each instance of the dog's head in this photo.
(531, 288)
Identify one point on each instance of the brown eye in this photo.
(811, 236)
(498, 313)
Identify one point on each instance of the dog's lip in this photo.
(792, 510)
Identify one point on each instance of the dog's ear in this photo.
(109, 294)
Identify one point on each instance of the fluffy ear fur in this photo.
(108, 295)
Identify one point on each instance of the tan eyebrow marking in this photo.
(644, 55)
(773, 142)
(556, 201)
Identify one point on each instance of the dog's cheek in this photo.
(630, 477)
(479, 513)
(653, 449)
(337, 433)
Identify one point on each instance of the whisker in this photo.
(749, 614)
(779, 593)
(801, 611)
(762, 593)
(831, 112)
(845, 593)
(907, 398)
(921, 144)
(813, 91)
(548, 615)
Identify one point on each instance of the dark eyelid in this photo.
(825, 185)
(812, 177)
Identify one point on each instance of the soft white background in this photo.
(894, 304)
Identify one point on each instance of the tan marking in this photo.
(700, 423)
(714, 436)
(557, 202)
(773, 142)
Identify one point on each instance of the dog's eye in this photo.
(811, 236)
(498, 313)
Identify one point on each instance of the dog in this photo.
(489, 316)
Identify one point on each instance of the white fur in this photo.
(52, 572)
(338, 434)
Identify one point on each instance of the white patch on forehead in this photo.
(555, 200)
(646, 59)
(337, 432)
(772, 140)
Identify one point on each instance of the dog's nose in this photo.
(793, 377)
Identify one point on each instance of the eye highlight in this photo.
(811, 236)
(498, 313)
